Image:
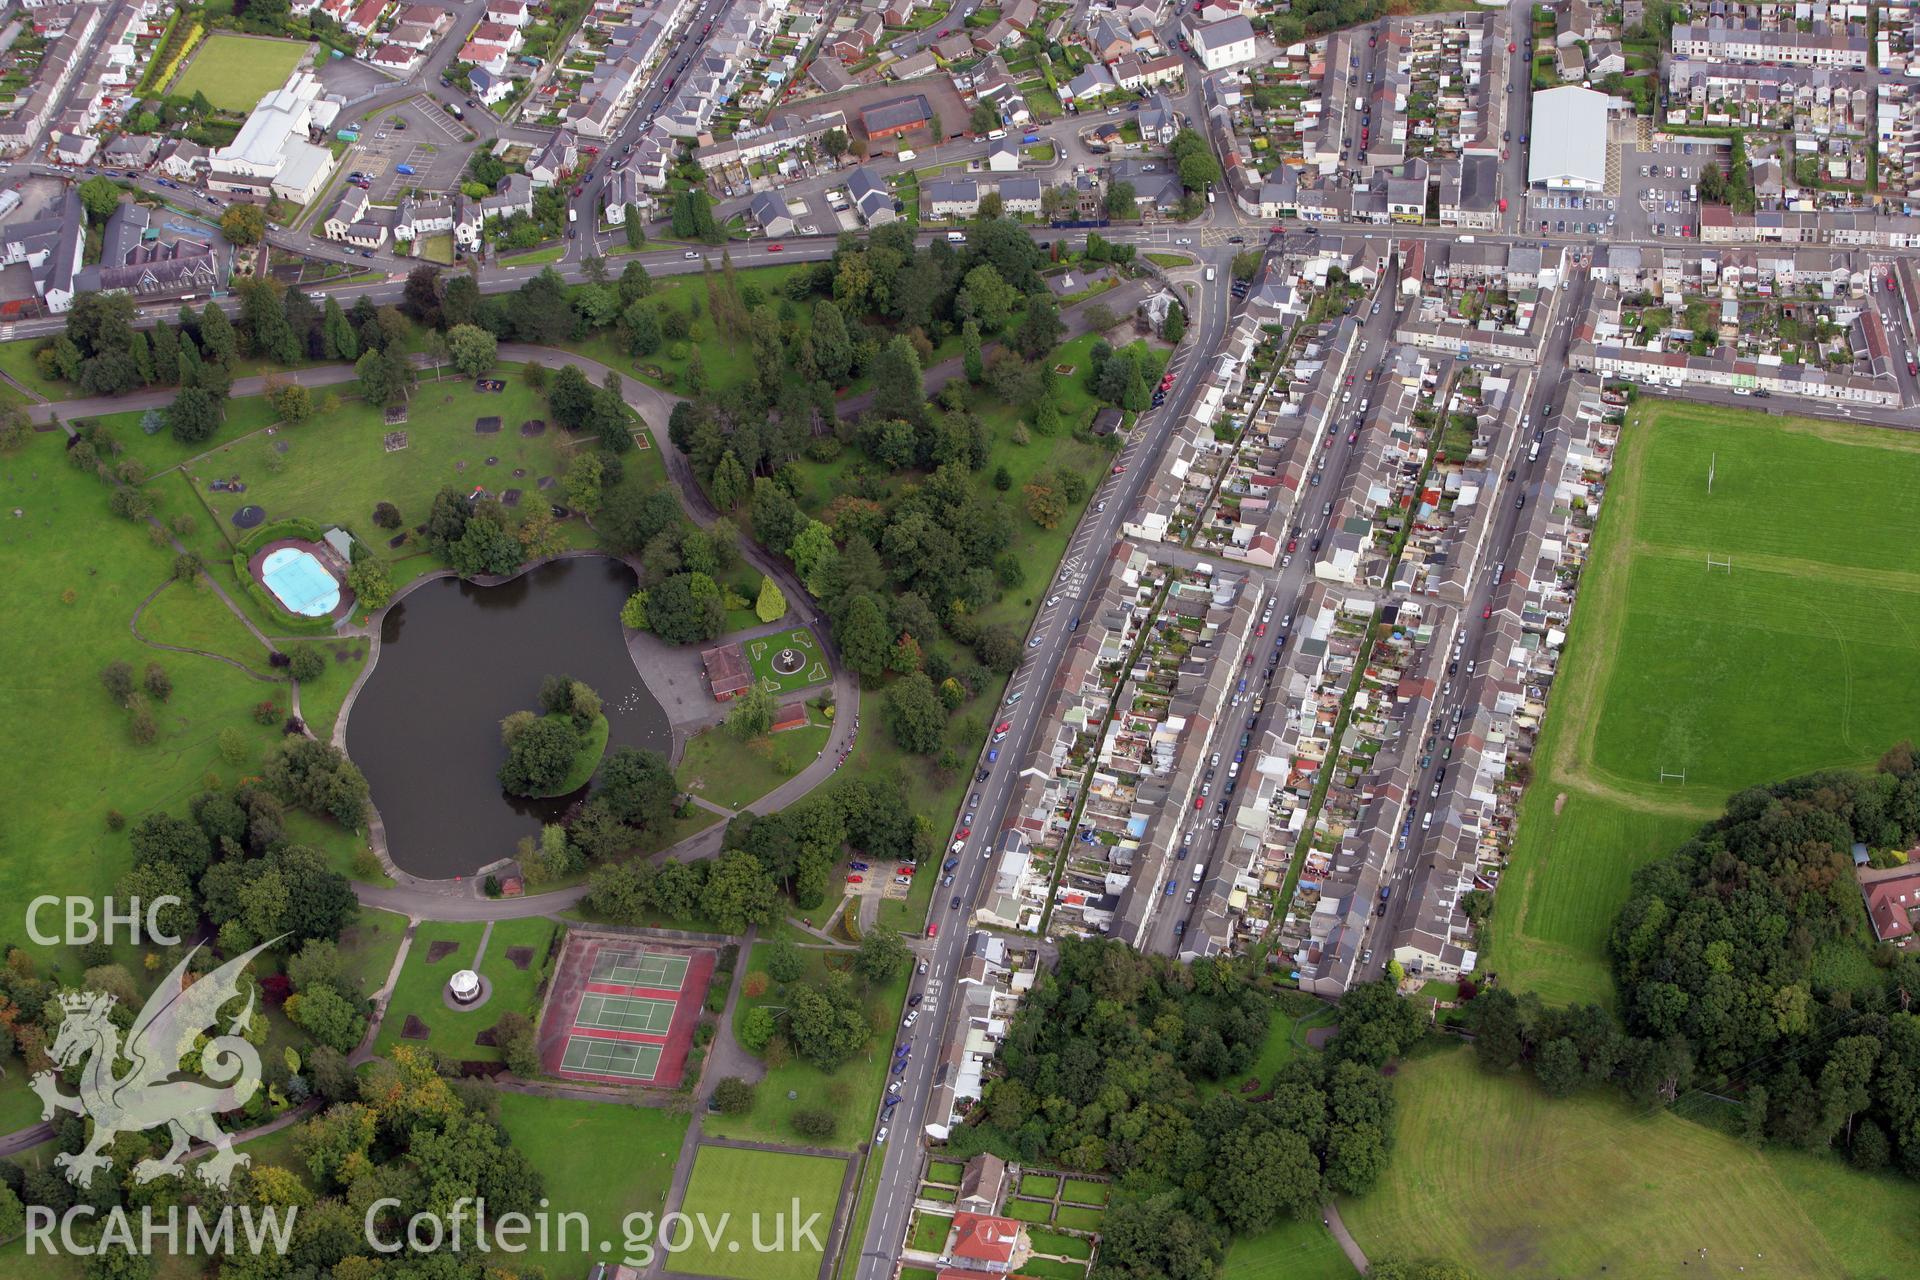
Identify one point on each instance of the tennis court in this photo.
(623, 1013)
(622, 1010)
(612, 1058)
(640, 969)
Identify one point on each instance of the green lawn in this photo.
(1280, 1046)
(929, 1231)
(1079, 1219)
(1080, 1191)
(190, 615)
(762, 1185)
(77, 573)
(1802, 658)
(422, 982)
(853, 1092)
(235, 72)
(762, 652)
(1295, 1249)
(1060, 1244)
(604, 1160)
(946, 1172)
(369, 945)
(335, 468)
(16, 360)
(1489, 1172)
(720, 767)
(1029, 1210)
(725, 360)
(1039, 1184)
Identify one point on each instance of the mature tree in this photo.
(217, 338)
(1259, 1176)
(829, 341)
(243, 224)
(540, 753)
(193, 416)
(317, 776)
(1121, 203)
(882, 956)
(99, 197)
(750, 715)
(863, 637)
(835, 143)
(486, 548)
(473, 349)
(384, 377)
(985, 298)
(679, 614)
(898, 391)
(738, 893)
(825, 1022)
(338, 341)
(771, 606)
(371, 582)
(915, 714)
(570, 397)
(1040, 329)
(291, 401)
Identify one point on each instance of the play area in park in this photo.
(787, 661)
(622, 1010)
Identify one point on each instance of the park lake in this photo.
(455, 659)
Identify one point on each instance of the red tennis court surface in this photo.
(622, 1010)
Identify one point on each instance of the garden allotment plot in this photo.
(1797, 648)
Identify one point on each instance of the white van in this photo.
(994, 135)
(956, 237)
(1199, 871)
(1209, 273)
(905, 155)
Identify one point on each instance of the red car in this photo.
(592, 151)
(933, 930)
(855, 879)
(774, 248)
(1349, 379)
(1293, 544)
(1003, 726)
(1260, 630)
(1199, 802)
(579, 189)
(1117, 470)
(1487, 612)
(961, 834)
(1352, 436)
(1512, 47)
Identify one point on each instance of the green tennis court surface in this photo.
(624, 1013)
(640, 969)
(612, 1058)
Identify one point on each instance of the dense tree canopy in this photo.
(1113, 1064)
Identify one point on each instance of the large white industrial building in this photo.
(272, 149)
(1568, 148)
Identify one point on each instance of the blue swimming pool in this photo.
(300, 582)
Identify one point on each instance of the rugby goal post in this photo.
(1667, 775)
(1724, 565)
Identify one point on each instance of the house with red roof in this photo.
(1893, 895)
(364, 15)
(983, 1243)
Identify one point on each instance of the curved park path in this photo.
(461, 900)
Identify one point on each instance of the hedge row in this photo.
(291, 527)
(167, 70)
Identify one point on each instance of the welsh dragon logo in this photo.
(146, 1096)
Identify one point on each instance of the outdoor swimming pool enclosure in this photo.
(300, 582)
